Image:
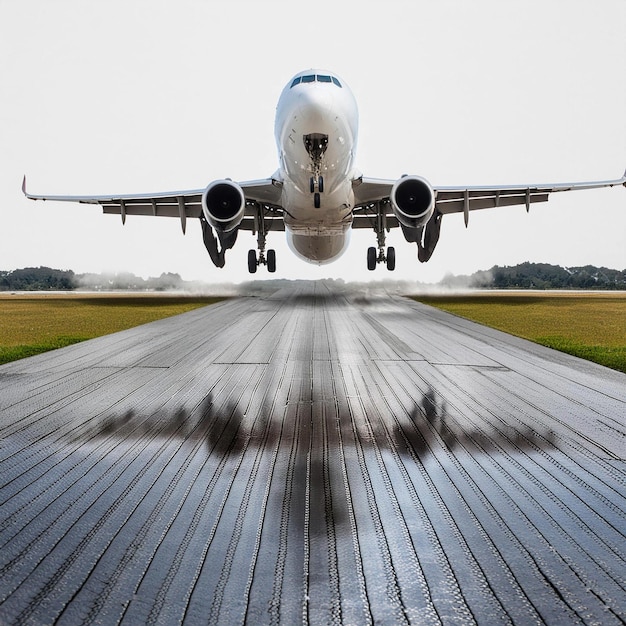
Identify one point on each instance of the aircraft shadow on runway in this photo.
(224, 428)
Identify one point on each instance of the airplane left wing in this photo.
(180, 204)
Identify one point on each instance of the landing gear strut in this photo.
(316, 145)
(268, 260)
(379, 256)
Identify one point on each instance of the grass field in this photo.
(31, 324)
(588, 325)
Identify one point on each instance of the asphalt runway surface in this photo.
(312, 456)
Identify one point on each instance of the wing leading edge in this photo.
(380, 205)
(370, 191)
(264, 193)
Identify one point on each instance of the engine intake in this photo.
(412, 201)
(223, 205)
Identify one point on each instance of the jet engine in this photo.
(223, 205)
(412, 201)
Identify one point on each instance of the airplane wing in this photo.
(370, 191)
(181, 204)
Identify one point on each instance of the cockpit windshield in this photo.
(312, 78)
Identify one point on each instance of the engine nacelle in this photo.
(223, 205)
(412, 201)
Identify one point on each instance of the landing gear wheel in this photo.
(371, 259)
(271, 261)
(252, 262)
(316, 200)
(320, 184)
(312, 184)
(391, 258)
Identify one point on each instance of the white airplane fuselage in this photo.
(316, 133)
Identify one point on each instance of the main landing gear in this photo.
(375, 256)
(262, 258)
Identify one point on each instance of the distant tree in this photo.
(37, 279)
(543, 276)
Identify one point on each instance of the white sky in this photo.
(124, 96)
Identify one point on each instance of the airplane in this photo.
(317, 196)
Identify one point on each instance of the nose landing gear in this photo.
(317, 187)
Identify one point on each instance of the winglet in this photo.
(28, 195)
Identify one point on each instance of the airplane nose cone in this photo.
(314, 106)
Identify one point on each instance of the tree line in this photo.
(522, 276)
(48, 279)
(543, 276)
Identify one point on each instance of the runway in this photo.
(312, 455)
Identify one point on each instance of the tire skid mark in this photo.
(367, 617)
(435, 543)
(525, 406)
(534, 559)
(218, 596)
(416, 581)
(234, 474)
(277, 588)
(262, 520)
(199, 431)
(333, 560)
(174, 568)
(592, 467)
(52, 582)
(56, 433)
(460, 610)
(106, 445)
(490, 566)
(393, 588)
(542, 487)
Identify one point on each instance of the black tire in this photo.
(271, 261)
(252, 264)
(312, 184)
(320, 184)
(391, 258)
(371, 259)
(316, 200)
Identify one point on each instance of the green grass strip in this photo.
(591, 326)
(31, 325)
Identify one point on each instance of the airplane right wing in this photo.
(463, 199)
(419, 207)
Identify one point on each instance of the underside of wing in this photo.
(262, 194)
(415, 206)
(371, 194)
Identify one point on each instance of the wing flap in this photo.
(450, 203)
(181, 204)
(371, 191)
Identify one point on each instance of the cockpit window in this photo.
(311, 78)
